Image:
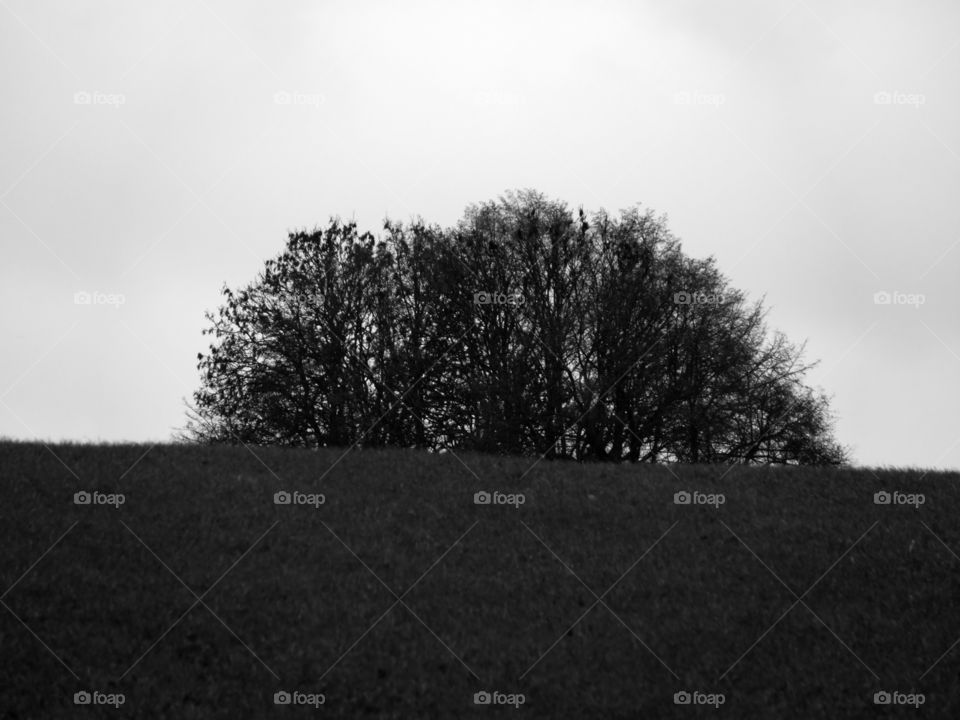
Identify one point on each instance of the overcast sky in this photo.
(151, 153)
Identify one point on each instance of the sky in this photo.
(151, 153)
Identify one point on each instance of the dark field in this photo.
(399, 597)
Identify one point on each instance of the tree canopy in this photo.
(527, 328)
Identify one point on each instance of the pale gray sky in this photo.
(156, 152)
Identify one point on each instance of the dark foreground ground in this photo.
(398, 596)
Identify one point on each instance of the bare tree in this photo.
(527, 328)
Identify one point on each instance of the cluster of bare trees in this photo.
(527, 329)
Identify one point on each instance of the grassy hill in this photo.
(400, 597)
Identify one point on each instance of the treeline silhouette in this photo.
(525, 329)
